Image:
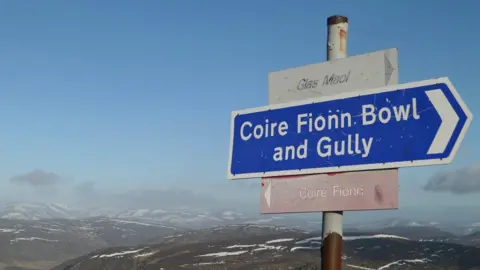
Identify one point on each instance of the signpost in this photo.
(344, 75)
(343, 115)
(338, 75)
(323, 192)
(413, 124)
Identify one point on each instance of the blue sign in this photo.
(414, 124)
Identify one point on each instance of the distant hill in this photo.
(475, 234)
(266, 247)
(417, 233)
(39, 236)
(43, 244)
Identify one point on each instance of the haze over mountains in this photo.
(87, 228)
(144, 238)
(268, 247)
(29, 232)
(157, 204)
(77, 225)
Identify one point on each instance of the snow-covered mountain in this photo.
(269, 247)
(456, 228)
(37, 211)
(45, 243)
(39, 233)
(189, 217)
(180, 216)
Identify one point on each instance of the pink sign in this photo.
(369, 190)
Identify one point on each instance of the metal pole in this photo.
(332, 229)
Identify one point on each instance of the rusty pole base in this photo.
(332, 252)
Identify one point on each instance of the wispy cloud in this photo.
(462, 181)
(44, 186)
(36, 178)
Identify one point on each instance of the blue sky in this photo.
(133, 94)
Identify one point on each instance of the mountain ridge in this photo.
(264, 247)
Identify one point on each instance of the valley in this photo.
(179, 238)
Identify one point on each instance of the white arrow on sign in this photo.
(268, 193)
(449, 119)
(350, 74)
(447, 124)
(388, 69)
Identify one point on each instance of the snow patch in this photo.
(142, 223)
(31, 239)
(267, 247)
(415, 224)
(173, 236)
(241, 246)
(304, 248)
(48, 229)
(15, 215)
(360, 267)
(145, 254)
(202, 263)
(140, 212)
(223, 254)
(228, 213)
(350, 238)
(117, 254)
(10, 230)
(307, 240)
(279, 240)
(403, 262)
